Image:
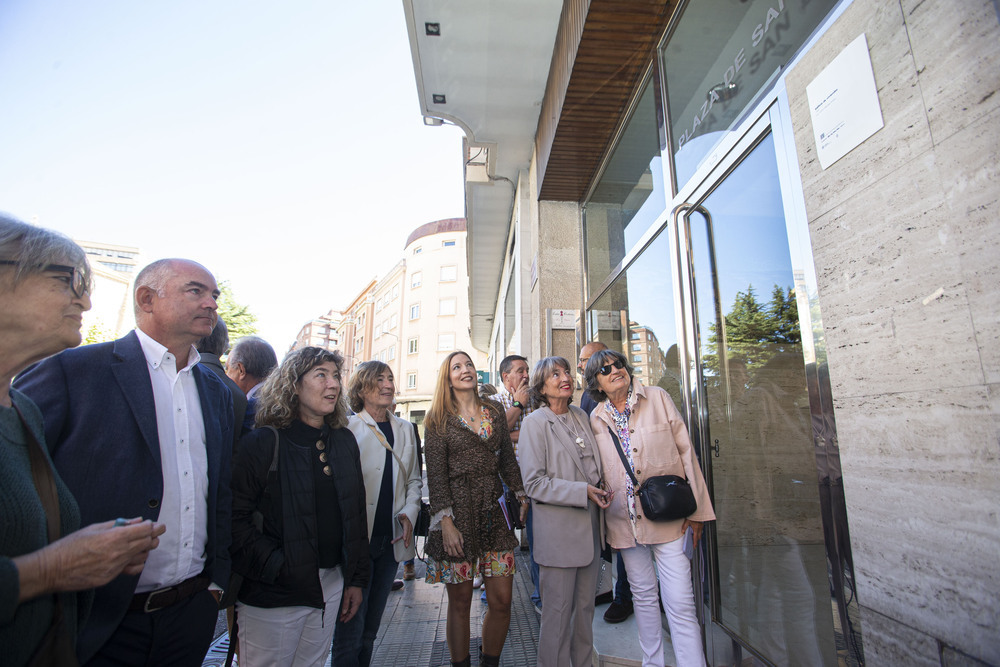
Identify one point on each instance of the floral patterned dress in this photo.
(463, 476)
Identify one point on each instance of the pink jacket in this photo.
(661, 446)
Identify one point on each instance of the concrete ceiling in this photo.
(490, 62)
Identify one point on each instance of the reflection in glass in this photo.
(629, 196)
(636, 317)
(720, 56)
(774, 591)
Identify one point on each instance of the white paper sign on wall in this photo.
(843, 103)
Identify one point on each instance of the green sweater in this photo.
(23, 530)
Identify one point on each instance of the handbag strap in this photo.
(41, 475)
(385, 443)
(274, 458)
(621, 454)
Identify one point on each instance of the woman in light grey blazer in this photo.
(561, 468)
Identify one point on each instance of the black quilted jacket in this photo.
(280, 563)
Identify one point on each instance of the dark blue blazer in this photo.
(100, 427)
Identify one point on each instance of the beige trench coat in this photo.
(661, 446)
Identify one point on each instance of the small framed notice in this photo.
(843, 103)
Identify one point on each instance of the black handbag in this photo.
(664, 497)
(423, 525)
(513, 509)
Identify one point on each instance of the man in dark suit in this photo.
(137, 428)
(211, 348)
(250, 362)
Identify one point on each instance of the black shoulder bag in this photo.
(664, 497)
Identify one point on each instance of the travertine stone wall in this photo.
(906, 237)
(560, 283)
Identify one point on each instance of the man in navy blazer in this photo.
(137, 428)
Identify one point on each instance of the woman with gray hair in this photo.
(305, 558)
(47, 563)
(640, 427)
(562, 472)
(388, 451)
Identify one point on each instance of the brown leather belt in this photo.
(171, 595)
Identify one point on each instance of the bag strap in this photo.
(274, 459)
(385, 443)
(41, 475)
(45, 486)
(621, 454)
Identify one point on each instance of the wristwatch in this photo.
(517, 404)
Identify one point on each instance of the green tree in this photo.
(755, 332)
(238, 317)
(98, 332)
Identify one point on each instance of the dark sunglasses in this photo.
(78, 283)
(606, 369)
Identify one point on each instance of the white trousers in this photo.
(643, 563)
(291, 636)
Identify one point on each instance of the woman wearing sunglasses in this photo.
(642, 425)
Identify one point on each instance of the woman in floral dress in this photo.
(468, 450)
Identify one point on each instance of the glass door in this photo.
(768, 593)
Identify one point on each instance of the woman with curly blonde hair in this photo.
(301, 473)
(468, 450)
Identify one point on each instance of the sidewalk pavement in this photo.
(412, 633)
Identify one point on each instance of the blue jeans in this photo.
(353, 641)
(623, 592)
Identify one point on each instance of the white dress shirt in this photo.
(184, 461)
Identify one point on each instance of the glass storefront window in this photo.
(639, 306)
(629, 196)
(717, 60)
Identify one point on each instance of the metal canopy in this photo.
(485, 70)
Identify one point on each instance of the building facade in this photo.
(355, 330)
(811, 256)
(321, 332)
(411, 318)
(434, 319)
(114, 268)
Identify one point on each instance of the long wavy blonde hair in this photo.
(278, 400)
(443, 403)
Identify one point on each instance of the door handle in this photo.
(716, 448)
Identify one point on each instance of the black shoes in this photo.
(617, 612)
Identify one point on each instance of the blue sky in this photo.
(280, 144)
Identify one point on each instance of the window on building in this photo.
(416, 280)
(415, 311)
(448, 244)
(391, 353)
(411, 346)
(637, 348)
(446, 341)
(382, 356)
(393, 321)
(395, 291)
(411, 380)
(637, 358)
(635, 336)
(417, 250)
(447, 306)
(449, 274)
(637, 371)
